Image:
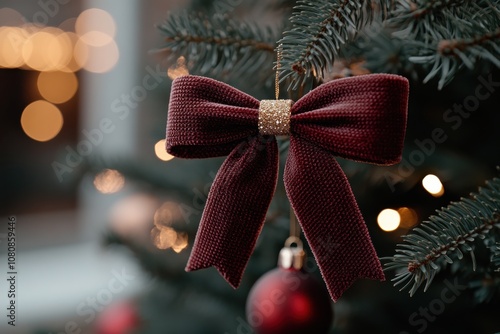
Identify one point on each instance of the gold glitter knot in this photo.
(274, 117)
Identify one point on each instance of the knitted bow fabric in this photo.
(361, 118)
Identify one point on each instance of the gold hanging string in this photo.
(278, 69)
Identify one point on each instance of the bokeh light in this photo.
(47, 50)
(96, 38)
(109, 181)
(12, 40)
(163, 237)
(409, 217)
(79, 55)
(181, 242)
(41, 121)
(161, 152)
(64, 46)
(10, 17)
(97, 59)
(179, 69)
(57, 87)
(131, 216)
(433, 185)
(68, 25)
(96, 27)
(167, 214)
(388, 220)
(35, 51)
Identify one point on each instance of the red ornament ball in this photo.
(118, 318)
(289, 301)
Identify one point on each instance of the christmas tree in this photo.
(450, 52)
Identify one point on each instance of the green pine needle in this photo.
(445, 238)
(447, 35)
(219, 46)
(319, 29)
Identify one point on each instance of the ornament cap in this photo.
(292, 257)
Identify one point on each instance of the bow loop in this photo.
(361, 118)
(199, 108)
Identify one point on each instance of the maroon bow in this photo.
(361, 118)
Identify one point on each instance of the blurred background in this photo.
(106, 218)
(77, 81)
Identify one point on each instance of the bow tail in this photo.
(236, 209)
(330, 218)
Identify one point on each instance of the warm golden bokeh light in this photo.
(181, 242)
(388, 220)
(10, 17)
(109, 181)
(12, 40)
(96, 27)
(61, 58)
(433, 185)
(178, 70)
(130, 216)
(163, 237)
(57, 87)
(53, 49)
(47, 50)
(96, 38)
(409, 217)
(161, 151)
(81, 53)
(41, 121)
(166, 214)
(35, 51)
(97, 59)
(68, 25)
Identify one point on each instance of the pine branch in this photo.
(446, 35)
(448, 56)
(420, 18)
(443, 239)
(319, 29)
(495, 256)
(219, 46)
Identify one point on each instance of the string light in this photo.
(41, 121)
(94, 59)
(109, 181)
(161, 152)
(167, 214)
(408, 216)
(131, 216)
(10, 17)
(80, 53)
(179, 69)
(181, 242)
(12, 40)
(433, 185)
(388, 220)
(57, 87)
(163, 237)
(96, 27)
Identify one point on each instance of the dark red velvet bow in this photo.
(361, 118)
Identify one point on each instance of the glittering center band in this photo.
(274, 117)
